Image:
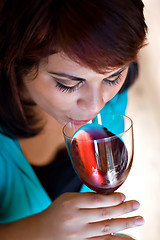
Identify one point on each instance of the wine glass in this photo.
(101, 150)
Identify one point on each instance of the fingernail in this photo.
(139, 221)
(123, 197)
(136, 205)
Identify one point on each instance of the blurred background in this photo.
(143, 182)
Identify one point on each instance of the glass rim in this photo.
(102, 139)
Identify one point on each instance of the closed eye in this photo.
(115, 78)
(72, 83)
(66, 88)
(115, 81)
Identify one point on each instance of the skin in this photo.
(72, 216)
(57, 106)
(85, 102)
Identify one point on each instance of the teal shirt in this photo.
(21, 193)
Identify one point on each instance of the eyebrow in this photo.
(74, 78)
(118, 72)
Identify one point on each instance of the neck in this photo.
(41, 149)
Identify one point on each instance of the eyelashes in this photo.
(67, 89)
(115, 81)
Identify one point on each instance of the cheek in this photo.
(118, 87)
(50, 99)
(60, 100)
(44, 93)
(113, 90)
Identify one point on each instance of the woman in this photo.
(60, 60)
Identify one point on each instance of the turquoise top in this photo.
(21, 193)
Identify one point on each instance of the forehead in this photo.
(59, 62)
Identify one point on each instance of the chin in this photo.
(61, 121)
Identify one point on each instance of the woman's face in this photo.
(67, 91)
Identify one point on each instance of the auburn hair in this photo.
(96, 34)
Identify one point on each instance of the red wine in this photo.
(100, 158)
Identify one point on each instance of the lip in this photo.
(79, 122)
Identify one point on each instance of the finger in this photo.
(100, 214)
(94, 200)
(112, 225)
(111, 237)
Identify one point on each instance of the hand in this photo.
(79, 216)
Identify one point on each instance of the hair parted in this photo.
(96, 34)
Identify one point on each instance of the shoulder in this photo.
(7, 144)
(5, 149)
(9, 152)
(19, 186)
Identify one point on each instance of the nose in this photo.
(93, 100)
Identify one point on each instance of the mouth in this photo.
(79, 122)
